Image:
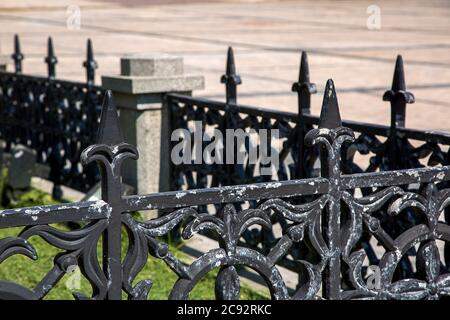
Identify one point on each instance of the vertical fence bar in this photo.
(304, 89)
(109, 152)
(330, 118)
(51, 60)
(90, 64)
(17, 56)
(231, 80)
(330, 136)
(57, 164)
(90, 96)
(111, 135)
(398, 97)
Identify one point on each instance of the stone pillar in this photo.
(139, 92)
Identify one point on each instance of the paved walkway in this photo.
(267, 37)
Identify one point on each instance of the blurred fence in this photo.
(55, 118)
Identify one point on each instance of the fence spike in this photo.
(398, 95)
(90, 64)
(230, 78)
(109, 132)
(304, 87)
(304, 68)
(51, 60)
(231, 66)
(17, 56)
(330, 117)
(398, 82)
(398, 88)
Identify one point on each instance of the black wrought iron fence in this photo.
(387, 147)
(375, 148)
(331, 222)
(56, 118)
(322, 213)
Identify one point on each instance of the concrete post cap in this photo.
(153, 65)
(150, 74)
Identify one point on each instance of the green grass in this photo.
(22, 270)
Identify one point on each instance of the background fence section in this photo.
(375, 148)
(55, 118)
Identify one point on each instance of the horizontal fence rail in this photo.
(333, 218)
(439, 137)
(56, 118)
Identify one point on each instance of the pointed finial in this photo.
(304, 68)
(109, 132)
(398, 89)
(51, 59)
(330, 117)
(230, 78)
(398, 82)
(330, 134)
(303, 87)
(398, 96)
(303, 76)
(90, 64)
(231, 66)
(17, 56)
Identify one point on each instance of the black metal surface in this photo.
(389, 147)
(230, 78)
(58, 119)
(17, 56)
(331, 223)
(304, 89)
(382, 148)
